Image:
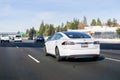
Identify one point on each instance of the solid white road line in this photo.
(34, 59)
(112, 59)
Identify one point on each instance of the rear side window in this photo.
(56, 36)
(76, 35)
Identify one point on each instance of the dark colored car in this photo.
(39, 39)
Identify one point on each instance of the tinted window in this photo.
(76, 35)
(18, 36)
(59, 36)
(4, 35)
(49, 38)
(56, 36)
(40, 37)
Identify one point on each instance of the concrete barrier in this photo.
(108, 40)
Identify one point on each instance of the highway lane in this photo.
(111, 50)
(26, 61)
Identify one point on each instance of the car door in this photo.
(53, 43)
(56, 42)
(50, 45)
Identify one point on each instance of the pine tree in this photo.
(99, 22)
(68, 25)
(42, 28)
(75, 23)
(65, 28)
(114, 24)
(32, 33)
(85, 21)
(93, 23)
(46, 33)
(27, 31)
(57, 29)
(118, 31)
(51, 30)
(109, 23)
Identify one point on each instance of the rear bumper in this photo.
(5, 40)
(39, 40)
(80, 53)
(83, 56)
(18, 40)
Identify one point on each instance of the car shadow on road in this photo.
(100, 58)
(84, 59)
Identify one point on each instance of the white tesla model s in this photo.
(72, 44)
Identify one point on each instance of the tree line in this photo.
(50, 29)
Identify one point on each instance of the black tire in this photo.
(58, 57)
(46, 54)
(96, 58)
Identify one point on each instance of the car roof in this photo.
(72, 32)
(66, 33)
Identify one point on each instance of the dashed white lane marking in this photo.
(34, 59)
(117, 60)
(17, 47)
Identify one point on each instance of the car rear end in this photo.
(4, 38)
(39, 39)
(80, 47)
(18, 38)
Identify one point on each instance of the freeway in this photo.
(26, 61)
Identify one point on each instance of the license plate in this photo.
(84, 45)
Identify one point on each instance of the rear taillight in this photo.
(96, 42)
(68, 43)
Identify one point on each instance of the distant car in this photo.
(4, 38)
(17, 38)
(72, 44)
(39, 39)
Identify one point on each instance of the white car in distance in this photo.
(4, 38)
(72, 44)
(17, 38)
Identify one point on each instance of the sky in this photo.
(19, 15)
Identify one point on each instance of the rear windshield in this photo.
(76, 35)
(40, 37)
(18, 36)
(4, 35)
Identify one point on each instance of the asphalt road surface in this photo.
(26, 61)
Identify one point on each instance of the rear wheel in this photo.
(96, 58)
(58, 57)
